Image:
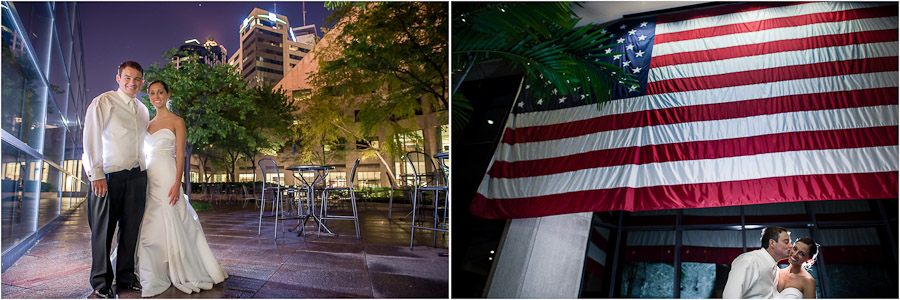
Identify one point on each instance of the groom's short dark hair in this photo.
(130, 64)
(771, 233)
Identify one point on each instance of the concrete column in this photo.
(541, 257)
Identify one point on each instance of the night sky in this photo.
(114, 32)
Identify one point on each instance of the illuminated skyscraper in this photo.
(270, 47)
(211, 52)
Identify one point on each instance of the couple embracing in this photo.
(756, 275)
(159, 233)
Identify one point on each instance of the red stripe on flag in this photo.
(713, 149)
(744, 192)
(823, 41)
(696, 113)
(716, 11)
(825, 69)
(792, 21)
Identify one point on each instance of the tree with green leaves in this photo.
(269, 126)
(386, 62)
(212, 100)
(539, 38)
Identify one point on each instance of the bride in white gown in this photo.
(172, 249)
(795, 282)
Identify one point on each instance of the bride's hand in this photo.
(173, 194)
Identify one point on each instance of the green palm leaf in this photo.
(540, 39)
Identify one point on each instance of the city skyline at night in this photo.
(155, 27)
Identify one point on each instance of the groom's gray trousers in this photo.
(123, 205)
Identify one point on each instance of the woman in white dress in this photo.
(172, 249)
(795, 282)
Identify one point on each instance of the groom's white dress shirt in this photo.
(114, 129)
(752, 276)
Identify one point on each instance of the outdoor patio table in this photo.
(321, 172)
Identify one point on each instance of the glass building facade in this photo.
(687, 253)
(43, 105)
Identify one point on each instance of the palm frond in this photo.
(541, 40)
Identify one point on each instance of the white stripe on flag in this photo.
(775, 34)
(763, 14)
(798, 121)
(768, 165)
(709, 96)
(774, 60)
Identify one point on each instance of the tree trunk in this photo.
(234, 158)
(386, 166)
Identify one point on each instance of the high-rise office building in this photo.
(211, 52)
(269, 47)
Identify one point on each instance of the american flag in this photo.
(737, 104)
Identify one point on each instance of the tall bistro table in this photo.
(321, 172)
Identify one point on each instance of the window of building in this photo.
(267, 32)
(856, 259)
(297, 57)
(269, 60)
(220, 178)
(246, 177)
(337, 179)
(274, 178)
(301, 95)
(368, 179)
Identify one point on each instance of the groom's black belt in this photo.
(134, 172)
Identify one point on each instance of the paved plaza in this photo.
(378, 265)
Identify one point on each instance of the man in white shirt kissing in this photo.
(114, 128)
(753, 274)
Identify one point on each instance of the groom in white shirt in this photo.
(753, 274)
(114, 129)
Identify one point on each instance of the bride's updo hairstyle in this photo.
(813, 252)
(165, 87)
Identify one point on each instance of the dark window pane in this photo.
(713, 215)
(59, 81)
(858, 263)
(63, 30)
(648, 270)
(844, 210)
(21, 189)
(23, 91)
(37, 19)
(776, 213)
(652, 218)
(54, 135)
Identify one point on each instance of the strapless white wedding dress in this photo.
(789, 293)
(172, 249)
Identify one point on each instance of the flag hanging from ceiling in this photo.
(737, 104)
